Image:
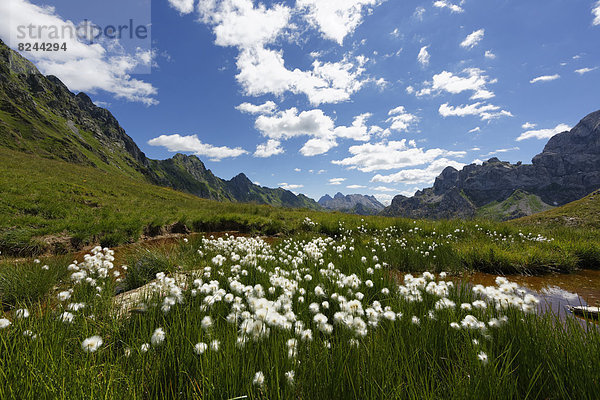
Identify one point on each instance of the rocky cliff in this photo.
(567, 169)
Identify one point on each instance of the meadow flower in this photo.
(29, 334)
(4, 323)
(158, 337)
(214, 345)
(63, 296)
(91, 344)
(289, 376)
(45, 267)
(22, 313)
(415, 320)
(206, 322)
(259, 379)
(66, 317)
(482, 357)
(200, 348)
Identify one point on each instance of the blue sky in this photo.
(320, 96)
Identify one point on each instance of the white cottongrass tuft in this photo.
(4, 323)
(259, 379)
(145, 347)
(200, 348)
(22, 313)
(158, 337)
(92, 344)
(289, 376)
(482, 357)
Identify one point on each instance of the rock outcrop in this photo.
(567, 169)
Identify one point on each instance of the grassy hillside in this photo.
(584, 213)
(520, 203)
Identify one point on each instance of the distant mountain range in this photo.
(567, 170)
(352, 203)
(39, 115)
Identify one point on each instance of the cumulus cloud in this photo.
(191, 144)
(336, 19)
(419, 176)
(288, 186)
(336, 181)
(482, 110)
(446, 4)
(490, 55)
(183, 6)
(424, 56)
(582, 71)
(473, 39)
(84, 67)
(271, 148)
(472, 79)
(319, 127)
(544, 133)
(268, 107)
(355, 187)
(371, 157)
(400, 119)
(262, 70)
(384, 189)
(528, 125)
(545, 78)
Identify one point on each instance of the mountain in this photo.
(566, 170)
(39, 115)
(352, 203)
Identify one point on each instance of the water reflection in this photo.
(556, 291)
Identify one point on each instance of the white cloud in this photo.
(183, 6)
(385, 199)
(424, 56)
(288, 186)
(268, 107)
(297, 170)
(335, 18)
(355, 187)
(474, 80)
(239, 23)
(596, 13)
(582, 71)
(384, 189)
(545, 78)
(476, 129)
(176, 143)
(473, 39)
(263, 71)
(336, 181)
(419, 12)
(544, 133)
(84, 67)
(370, 157)
(313, 123)
(271, 148)
(395, 32)
(446, 4)
(490, 55)
(409, 192)
(484, 111)
(500, 151)
(528, 125)
(400, 119)
(415, 176)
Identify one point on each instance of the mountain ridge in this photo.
(40, 115)
(566, 170)
(352, 203)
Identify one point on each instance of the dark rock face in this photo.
(40, 115)
(352, 203)
(567, 169)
